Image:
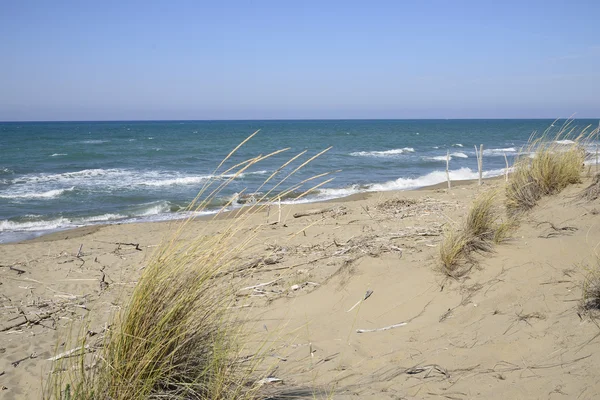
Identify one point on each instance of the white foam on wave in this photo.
(34, 184)
(58, 154)
(443, 158)
(50, 194)
(458, 145)
(27, 226)
(100, 218)
(153, 208)
(499, 152)
(429, 179)
(95, 141)
(432, 178)
(437, 158)
(384, 153)
(34, 224)
(189, 180)
(565, 141)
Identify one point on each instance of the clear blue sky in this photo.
(84, 60)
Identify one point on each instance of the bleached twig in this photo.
(259, 285)
(385, 328)
(68, 353)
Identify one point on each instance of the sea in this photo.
(61, 175)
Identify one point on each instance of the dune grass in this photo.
(481, 229)
(590, 299)
(177, 336)
(546, 166)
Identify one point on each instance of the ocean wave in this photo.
(384, 153)
(27, 226)
(189, 180)
(499, 152)
(99, 218)
(6, 171)
(443, 158)
(114, 179)
(50, 194)
(432, 178)
(457, 145)
(153, 208)
(565, 141)
(459, 155)
(58, 154)
(94, 141)
(32, 223)
(437, 158)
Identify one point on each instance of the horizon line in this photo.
(293, 119)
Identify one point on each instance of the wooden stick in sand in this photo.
(68, 353)
(448, 169)
(506, 170)
(479, 155)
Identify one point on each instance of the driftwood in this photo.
(68, 353)
(319, 211)
(429, 368)
(260, 285)
(386, 328)
(272, 260)
(29, 357)
(365, 297)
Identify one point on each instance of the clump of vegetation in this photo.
(548, 165)
(590, 301)
(178, 336)
(479, 232)
(592, 192)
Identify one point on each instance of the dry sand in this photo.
(509, 330)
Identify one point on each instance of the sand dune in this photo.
(509, 329)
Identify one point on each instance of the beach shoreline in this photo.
(88, 229)
(322, 263)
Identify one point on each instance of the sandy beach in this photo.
(353, 293)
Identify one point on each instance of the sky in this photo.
(157, 60)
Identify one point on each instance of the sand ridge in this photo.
(510, 329)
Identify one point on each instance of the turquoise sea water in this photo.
(56, 175)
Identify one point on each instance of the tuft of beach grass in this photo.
(546, 166)
(178, 336)
(480, 230)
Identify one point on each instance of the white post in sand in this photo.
(506, 170)
(448, 169)
(478, 155)
(279, 215)
(480, 164)
(596, 158)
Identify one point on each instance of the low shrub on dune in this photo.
(178, 336)
(547, 166)
(481, 229)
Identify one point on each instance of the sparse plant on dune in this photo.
(546, 166)
(481, 229)
(177, 337)
(590, 293)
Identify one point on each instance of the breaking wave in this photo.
(384, 153)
